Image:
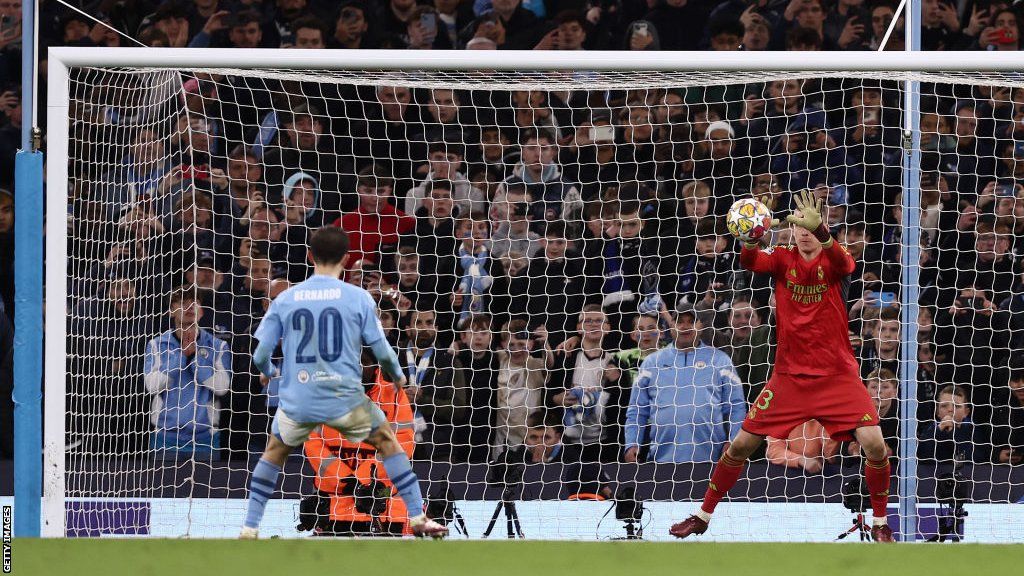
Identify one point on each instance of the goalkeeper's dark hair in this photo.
(328, 245)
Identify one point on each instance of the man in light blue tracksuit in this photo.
(186, 370)
(687, 401)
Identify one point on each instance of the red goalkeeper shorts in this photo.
(840, 402)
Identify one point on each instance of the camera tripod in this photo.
(951, 523)
(633, 532)
(512, 525)
(441, 508)
(859, 527)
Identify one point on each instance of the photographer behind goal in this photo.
(354, 495)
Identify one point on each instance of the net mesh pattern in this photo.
(536, 232)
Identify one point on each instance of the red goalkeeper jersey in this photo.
(810, 308)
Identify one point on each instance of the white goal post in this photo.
(481, 70)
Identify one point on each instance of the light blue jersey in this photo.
(324, 323)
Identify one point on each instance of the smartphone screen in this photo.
(602, 134)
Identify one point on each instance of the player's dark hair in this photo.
(328, 245)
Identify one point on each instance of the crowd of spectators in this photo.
(530, 250)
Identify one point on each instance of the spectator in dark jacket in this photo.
(435, 243)
(480, 372)
(553, 284)
(1006, 422)
(680, 23)
(436, 389)
(950, 438)
(305, 146)
(519, 24)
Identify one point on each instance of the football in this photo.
(748, 219)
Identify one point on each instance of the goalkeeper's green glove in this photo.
(809, 217)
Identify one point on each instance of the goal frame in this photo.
(61, 59)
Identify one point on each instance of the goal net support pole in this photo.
(910, 253)
(28, 277)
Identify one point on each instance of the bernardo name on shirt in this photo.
(311, 295)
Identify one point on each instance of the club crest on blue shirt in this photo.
(700, 364)
(203, 352)
(302, 376)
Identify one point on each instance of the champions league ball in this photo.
(748, 219)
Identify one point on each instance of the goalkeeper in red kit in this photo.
(816, 375)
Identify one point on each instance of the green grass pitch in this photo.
(113, 557)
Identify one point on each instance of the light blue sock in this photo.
(405, 481)
(261, 488)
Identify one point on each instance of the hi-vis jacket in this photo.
(338, 461)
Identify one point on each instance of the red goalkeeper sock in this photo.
(723, 478)
(877, 473)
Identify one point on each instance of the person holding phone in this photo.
(847, 24)
(941, 27)
(1003, 34)
(351, 29)
(642, 35)
(423, 31)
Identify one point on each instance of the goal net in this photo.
(531, 238)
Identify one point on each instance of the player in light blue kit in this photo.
(325, 323)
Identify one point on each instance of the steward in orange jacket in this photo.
(355, 496)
